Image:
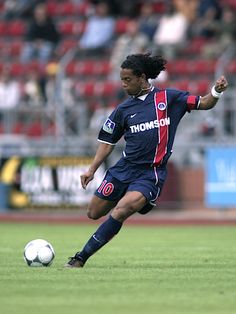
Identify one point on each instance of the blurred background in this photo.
(59, 79)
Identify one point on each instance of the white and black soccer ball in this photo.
(38, 253)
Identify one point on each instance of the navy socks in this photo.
(106, 231)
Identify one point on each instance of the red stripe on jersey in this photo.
(191, 102)
(161, 113)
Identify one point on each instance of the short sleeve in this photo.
(193, 102)
(112, 129)
(189, 101)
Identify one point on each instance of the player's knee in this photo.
(93, 214)
(122, 213)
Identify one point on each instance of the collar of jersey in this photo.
(143, 97)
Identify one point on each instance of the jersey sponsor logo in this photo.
(149, 125)
(161, 106)
(133, 115)
(109, 126)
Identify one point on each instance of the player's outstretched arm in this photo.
(102, 153)
(210, 100)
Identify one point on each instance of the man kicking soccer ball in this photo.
(148, 120)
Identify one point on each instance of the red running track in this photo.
(161, 218)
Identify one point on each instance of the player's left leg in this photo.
(129, 204)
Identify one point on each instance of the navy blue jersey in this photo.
(148, 125)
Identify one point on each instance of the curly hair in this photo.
(151, 66)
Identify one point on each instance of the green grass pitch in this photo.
(153, 269)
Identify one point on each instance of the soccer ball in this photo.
(38, 253)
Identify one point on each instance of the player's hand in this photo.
(221, 84)
(86, 178)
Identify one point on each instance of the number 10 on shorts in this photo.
(106, 188)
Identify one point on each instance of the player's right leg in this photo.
(106, 197)
(99, 207)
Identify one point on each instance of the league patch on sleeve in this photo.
(109, 126)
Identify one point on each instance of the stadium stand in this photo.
(90, 74)
(48, 122)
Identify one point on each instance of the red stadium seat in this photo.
(104, 89)
(96, 89)
(83, 8)
(177, 67)
(85, 89)
(4, 48)
(71, 68)
(3, 28)
(195, 45)
(72, 28)
(231, 3)
(196, 87)
(19, 69)
(52, 8)
(121, 25)
(10, 48)
(66, 8)
(66, 45)
(15, 48)
(85, 68)
(79, 27)
(159, 7)
(35, 129)
(2, 6)
(16, 28)
(201, 66)
(101, 68)
(38, 129)
(92, 68)
(2, 129)
(180, 84)
(66, 27)
(231, 68)
(194, 67)
(19, 128)
(202, 87)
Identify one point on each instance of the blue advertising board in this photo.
(220, 180)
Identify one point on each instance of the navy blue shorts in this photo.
(124, 177)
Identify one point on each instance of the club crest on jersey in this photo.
(161, 106)
(109, 126)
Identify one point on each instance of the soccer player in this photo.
(148, 120)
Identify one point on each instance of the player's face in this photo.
(131, 83)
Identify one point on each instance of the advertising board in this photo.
(220, 181)
(44, 182)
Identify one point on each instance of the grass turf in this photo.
(167, 270)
